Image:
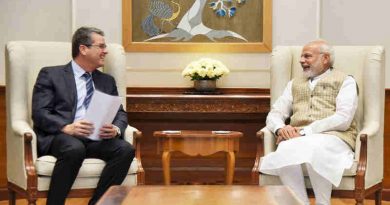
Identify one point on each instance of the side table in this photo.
(195, 143)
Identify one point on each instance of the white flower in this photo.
(205, 69)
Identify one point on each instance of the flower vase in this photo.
(205, 85)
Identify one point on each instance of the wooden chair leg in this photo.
(378, 197)
(32, 201)
(359, 201)
(359, 197)
(32, 196)
(11, 197)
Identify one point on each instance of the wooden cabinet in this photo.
(152, 109)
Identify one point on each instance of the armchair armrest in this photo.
(267, 140)
(370, 130)
(369, 153)
(255, 169)
(362, 164)
(21, 153)
(32, 177)
(133, 136)
(20, 127)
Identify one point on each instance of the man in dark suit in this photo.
(60, 98)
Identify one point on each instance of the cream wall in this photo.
(363, 23)
(294, 23)
(40, 20)
(248, 70)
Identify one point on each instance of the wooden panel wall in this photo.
(246, 113)
(3, 164)
(386, 180)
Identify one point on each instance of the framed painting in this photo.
(197, 25)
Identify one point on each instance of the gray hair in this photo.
(328, 49)
(82, 36)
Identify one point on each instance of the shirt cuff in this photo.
(276, 129)
(308, 130)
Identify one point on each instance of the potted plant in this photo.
(204, 72)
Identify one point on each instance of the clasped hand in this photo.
(83, 128)
(286, 133)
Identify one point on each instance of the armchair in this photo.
(366, 65)
(28, 174)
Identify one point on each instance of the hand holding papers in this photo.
(101, 110)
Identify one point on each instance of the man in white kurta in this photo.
(321, 135)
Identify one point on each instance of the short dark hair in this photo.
(82, 36)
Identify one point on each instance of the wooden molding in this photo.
(3, 150)
(3, 193)
(386, 195)
(181, 90)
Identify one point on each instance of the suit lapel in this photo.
(70, 85)
(97, 81)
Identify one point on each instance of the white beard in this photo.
(308, 73)
(311, 73)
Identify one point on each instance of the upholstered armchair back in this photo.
(366, 65)
(24, 59)
(28, 57)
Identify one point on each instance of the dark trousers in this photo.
(70, 153)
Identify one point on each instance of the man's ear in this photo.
(83, 49)
(326, 59)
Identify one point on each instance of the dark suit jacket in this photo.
(54, 102)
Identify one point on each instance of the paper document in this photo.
(101, 110)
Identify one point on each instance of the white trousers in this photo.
(325, 157)
(292, 176)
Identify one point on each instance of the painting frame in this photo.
(169, 46)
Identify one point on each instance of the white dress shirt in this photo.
(81, 90)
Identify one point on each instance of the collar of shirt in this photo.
(81, 90)
(77, 70)
(313, 82)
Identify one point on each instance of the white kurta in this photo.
(327, 154)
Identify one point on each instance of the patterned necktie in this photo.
(89, 86)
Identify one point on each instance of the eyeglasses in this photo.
(101, 46)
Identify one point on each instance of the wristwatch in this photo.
(302, 132)
(276, 132)
(118, 131)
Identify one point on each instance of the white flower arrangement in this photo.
(205, 69)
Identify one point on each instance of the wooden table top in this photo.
(196, 133)
(199, 194)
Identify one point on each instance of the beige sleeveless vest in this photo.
(310, 105)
